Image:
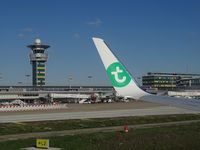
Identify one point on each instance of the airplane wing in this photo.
(125, 85)
(190, 104)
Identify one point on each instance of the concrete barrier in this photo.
(10, 108)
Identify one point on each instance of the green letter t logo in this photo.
(118, 75)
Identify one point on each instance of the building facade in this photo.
(168, 81)
(187, 84)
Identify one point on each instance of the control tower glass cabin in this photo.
(38, 57)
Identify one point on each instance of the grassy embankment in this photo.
(29, 127)
(170, 137)
(154, 138)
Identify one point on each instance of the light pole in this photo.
(139, 81)
(70, 78)
(27, 78)
(19, 83)
(1, 76)
(89, 79)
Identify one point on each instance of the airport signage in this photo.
(42, 143)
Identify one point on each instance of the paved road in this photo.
(160, 110)
(90, 130)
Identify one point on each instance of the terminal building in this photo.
(46, 94)
(189, 84)
(170, 81)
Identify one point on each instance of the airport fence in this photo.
(10, 108)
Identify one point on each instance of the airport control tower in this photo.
(38, 57)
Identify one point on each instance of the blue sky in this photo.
(147, 35)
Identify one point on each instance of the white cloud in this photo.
(76, 35)
(96, 22)
(21, 35)
(28, 29)
(25, 32)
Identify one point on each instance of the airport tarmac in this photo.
(102, 110)
(71, 107)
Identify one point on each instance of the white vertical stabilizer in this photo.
(119, 76)
(125, 85)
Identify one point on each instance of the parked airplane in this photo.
(126, 86)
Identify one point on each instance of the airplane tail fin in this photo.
(121, 79)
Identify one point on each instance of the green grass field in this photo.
(161, 138)
(181, 137)
(27, 127)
